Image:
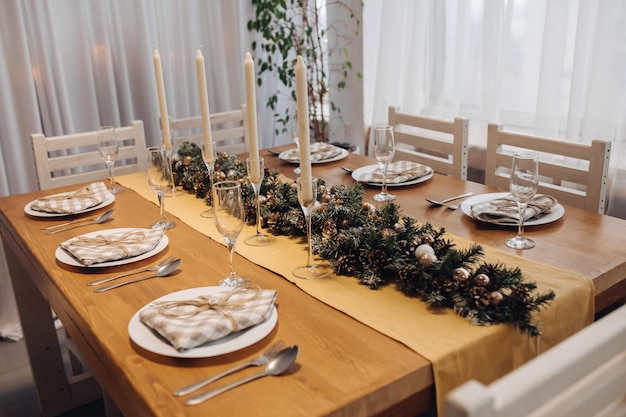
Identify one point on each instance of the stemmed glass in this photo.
(108, 148)
(159, 176)
(384, 149)
(229, 217)
(209, 157)
(523, 185)
(307, 196)
(256, 168)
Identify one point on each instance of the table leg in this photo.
(57, 392)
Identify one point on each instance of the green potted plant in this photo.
(289, 28)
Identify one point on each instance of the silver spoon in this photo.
(100, 219)
(134, 271)
(443, 202)
(106, 213)
(279, 364)
(163, 271)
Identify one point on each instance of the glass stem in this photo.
(257, 196)
(309, 261)
(211, 170)
(520, 226)
(160, 196)
(110, 165)
(384, 191)
(231, 250)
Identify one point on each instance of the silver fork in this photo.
(262, 359)
(132, 272)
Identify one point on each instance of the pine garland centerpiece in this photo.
(379, 246)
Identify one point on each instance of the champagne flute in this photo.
(256, 171)
(384, 149)
(209, 157)
(159, 176)
(229, 217)
(307, 196)
(108, 149)
(523, 184)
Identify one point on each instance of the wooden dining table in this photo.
(345, 367)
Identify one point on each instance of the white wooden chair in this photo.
(229, 130)
(440, 144)
(574, 173)
(583, 376)
(73, 159)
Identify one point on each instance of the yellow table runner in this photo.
(458, 350)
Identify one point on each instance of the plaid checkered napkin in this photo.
(190, 323)
(79, 200)
(120, 244)
(397, 173)
(319, 152)
(505, 211)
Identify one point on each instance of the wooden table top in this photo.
(581, 241)
(344, 368)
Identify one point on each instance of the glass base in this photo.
(519, 242)
(165, 224)
(207, 213)
(173, 192)
(313, 271)
(259, 240)
(297, 170)
(115, 190)
(384, 197)
(234, 282)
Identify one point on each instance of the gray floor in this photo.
(18, 397)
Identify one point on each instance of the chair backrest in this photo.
(583, 376)
(74, 158)
(574, 173)
(229, 130)
(438, 143)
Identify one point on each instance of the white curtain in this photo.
(70, 65)
(549, 67)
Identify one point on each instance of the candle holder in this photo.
(258, 239)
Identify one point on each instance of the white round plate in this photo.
(340, 156)
(110, 199)
(153, 342)
(557, 211)
(66, 258)
(357, 173)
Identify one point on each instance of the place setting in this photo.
(83, 200)
(321, 153)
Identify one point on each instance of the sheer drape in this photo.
(551, 67)
(71, 65)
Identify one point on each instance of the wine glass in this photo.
(209, 157)
(256, 170)
(523, 185)
(307, 196)
(384, 149)
(159, 176)
(229, 217)
(108, 148)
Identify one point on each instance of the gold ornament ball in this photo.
(345, 224)
(387, 233)
(428, 239)
(482, 280)
(461, 274)
(495, 297)
(427, 259)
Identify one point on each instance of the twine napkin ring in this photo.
(84, 193)
(543, 203)
(130, 238)
(220, 305)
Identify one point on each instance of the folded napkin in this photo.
(319, 152)
(113, 246)
(69, 203)
(397, 173)
(504, 210)
(190, 323)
